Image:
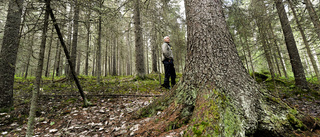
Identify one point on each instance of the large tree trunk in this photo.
(37, 81)
(140, 65)
(295, 59)
(216, 96)
(8, 55)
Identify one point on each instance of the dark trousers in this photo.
(169, 72)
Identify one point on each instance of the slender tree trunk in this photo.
(266, 48)
(275, 44)
(295, 59)
(55, 61)
(249, 54)
(129, 51)
(278, 51)
(49, 53)
(8, 55)
(99, 46)
(75, 35)
(59, 63)
(305, 41)
(140, 66)
(74, 75)
(114, 64)
(260, 11)
(154, 51)
(37, 81)
(244, 54)
(86, 68)
(110, 58)
(30, 44)
(106, 60)
(314, 17)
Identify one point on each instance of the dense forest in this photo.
(95, 68)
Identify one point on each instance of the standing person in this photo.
(168, 63)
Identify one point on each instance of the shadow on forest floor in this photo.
(60, 111)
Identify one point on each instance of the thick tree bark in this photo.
(216, 96)
(37, 81)
(295, 59)
(8, 55)
(140, 65)
(305, 41)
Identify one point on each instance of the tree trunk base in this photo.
(216, 114)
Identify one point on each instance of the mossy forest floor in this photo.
(60, 111)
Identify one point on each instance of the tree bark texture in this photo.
(216, 96)
(295, 59)
(8, 55)
(140, 65)
(37, 81)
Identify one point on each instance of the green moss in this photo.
(296, 123)
(198, 129)
(274, 99)
(231, 123)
